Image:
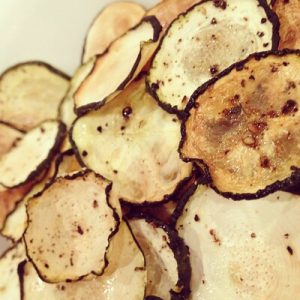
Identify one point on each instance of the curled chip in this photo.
(245, 126)
(289, 16)
(242, 249)
(204, 41)
(66, 110)
(30, 93)
(124, 278)
(167, 258)
(132, 142)
(112, 22)
(69, 228)
(8, 137)
(118, 66)
(9, 280)
(32, 154)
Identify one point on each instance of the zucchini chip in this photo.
(242, 249)
(8, 137)
(288, 13)
(245, 126)
(204, 41)
(67, 164)
(78, 221)
(30, 93)
(118, 66)
(66, 109)
(9, 280)
(112, 22)
(167, 258)
(32, 154)
(137, 153)
(125, 278)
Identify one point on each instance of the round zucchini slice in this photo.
(75, 215)
(8, 137)
(32, 154)
(244, 127)
(242, 249)
(288, 13)
(112, 22)
(118, 66)
(124, 278)
(167, 258)
(132, 142)
(204, 41)
(30, 93)
(9, 280)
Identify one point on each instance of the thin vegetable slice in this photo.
(30, 93)
(203, 42)
(124, 278)
(167, 258)
(32, 154)
(78, 221)
(138, 153)
(289, 16)
(245, 126)
(67, 164)
(112, 22)
(67, 113)
(118, 66)
(9, 280)
(245, 249)
(8, 136)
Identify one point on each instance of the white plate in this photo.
(49, 30)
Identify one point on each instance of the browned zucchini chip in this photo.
(137, 152)
(30, 93)
(118, 66)
(15, 222)
(167, 258)
(288, 12)
(112, 22)
(9, 280)
(242, 249)
(66, 110)
(69, 228)
(168, 10)
(206, 40)
(8, 137)
(32, 154)
(245, 126)
(125, 277)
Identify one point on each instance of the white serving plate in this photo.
(49, 30)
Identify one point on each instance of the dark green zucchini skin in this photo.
(181, 254)
(292, 182)
(151, 88)
(115, 215)
(82, 110)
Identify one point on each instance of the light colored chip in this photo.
(289, 16)
(67, 164)
(243, 250)
(67, 113)
(69, 228)
(245, 126)
(202, 43)
(8, 137)
(30, 93)
(166, 258)
(112, 22)
(125, 278)
(9, 280)
(137, 152)
(122, 62)
(31, 155)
